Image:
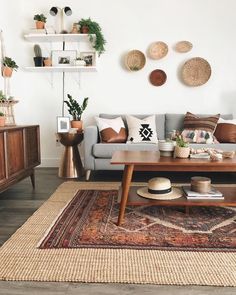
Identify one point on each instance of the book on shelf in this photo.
(214, 194)
(200, 156)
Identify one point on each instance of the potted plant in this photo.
(80, 62)
(76, 110)
(182, 149)
(47, 62)
(40, 21)
(38, 59)
(87, 26)
(8, 66)
(2, 119)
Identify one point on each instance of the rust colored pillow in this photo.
(226, 132)
(193, 122)
(111, 130)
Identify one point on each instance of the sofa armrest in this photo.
(90, 138)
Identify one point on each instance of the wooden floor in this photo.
(19, 202)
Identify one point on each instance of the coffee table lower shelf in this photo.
(134, 199)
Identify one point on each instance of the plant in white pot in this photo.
(2, 119)
(182, 149)
(76, 110)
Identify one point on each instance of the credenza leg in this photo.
(32, 178)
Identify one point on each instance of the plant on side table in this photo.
(87, 26)
(2, 119)
(40, 21)
(76, 110)
(182, 149)
(8, 66)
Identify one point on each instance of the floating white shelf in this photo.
(57, 37)
(61, 69)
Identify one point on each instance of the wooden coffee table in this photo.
(151, 161)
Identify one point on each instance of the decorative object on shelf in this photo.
(75, 28)
(65, 10)
(8, 66)
(183, 46)
(80, 62)
(63, 124)
(196, 71)
(38, 59)
(157, 77)
(88, 57)
(76, 110)
(135, 60)
(47, 62)
(40, 21)
(2, 119)
(182, 149)
(158, 50)
(200, 184)
(63, 57)
(87, 26)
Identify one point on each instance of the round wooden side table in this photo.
(71, 165)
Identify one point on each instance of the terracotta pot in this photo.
(47, 62)
(39, 24)
(84, 30)
(2, 121)
(7, 72)
(77, 124)
(181, 152)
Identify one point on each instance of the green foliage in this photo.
(8, 62)
(75, 109)
(40, 17)
(94, 28)
(1, 114)
(2, 96)
(180, 141)
(37, 50)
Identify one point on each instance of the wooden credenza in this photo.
(19, 154)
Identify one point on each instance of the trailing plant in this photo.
(1, 114)
(2, 96)
(40, 17)
(94, 28)
(37, 50)
(8, 62)
(74, 108)
(181, 142)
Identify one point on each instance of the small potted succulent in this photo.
(8, 66)
(40, 21)
(87, 26)
(182, 149)
(2, 119)
(76, 110)
(38, 59)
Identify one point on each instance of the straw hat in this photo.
(158, 50)
(196, 71)
(135, 60)
(159, 188)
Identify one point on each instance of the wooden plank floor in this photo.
(19, 202)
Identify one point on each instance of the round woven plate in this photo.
(135, 60)
(196, 71)
(183, 46)
(158, 50)
(157, 77)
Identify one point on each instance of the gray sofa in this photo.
(97, 155)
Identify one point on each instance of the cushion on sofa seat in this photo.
(226, 131)
(103, 150)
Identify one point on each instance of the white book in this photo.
(214, 194)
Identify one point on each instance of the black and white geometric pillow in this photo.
(142, 131)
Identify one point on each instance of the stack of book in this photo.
(214, 194)
(200, 156)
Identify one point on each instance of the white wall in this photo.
(127, 24)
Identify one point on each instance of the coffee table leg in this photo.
(126, 180)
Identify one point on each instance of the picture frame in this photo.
(88, 57)
(62, 58)
(63, 124)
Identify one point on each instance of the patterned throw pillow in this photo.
(111, 130)
(142, 131)
(198, 136)
(193, 122)
(226, 131)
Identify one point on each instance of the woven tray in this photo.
(183, 46)
(158, 50)
(135, 60)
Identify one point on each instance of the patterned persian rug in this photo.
(89, 221)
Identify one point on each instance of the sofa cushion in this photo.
(103, 150)
(193, 122)
(226, 131)
(160, 122)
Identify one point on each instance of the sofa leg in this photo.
(87, 176)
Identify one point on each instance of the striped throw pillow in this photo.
(193, 122)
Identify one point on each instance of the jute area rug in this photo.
(21, 260)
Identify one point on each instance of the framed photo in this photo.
(63, 124)
(63, 57)
(88, 57)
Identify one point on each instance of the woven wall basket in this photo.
(158, 50)
(183, 46)
(196, 71)
(135, 60)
